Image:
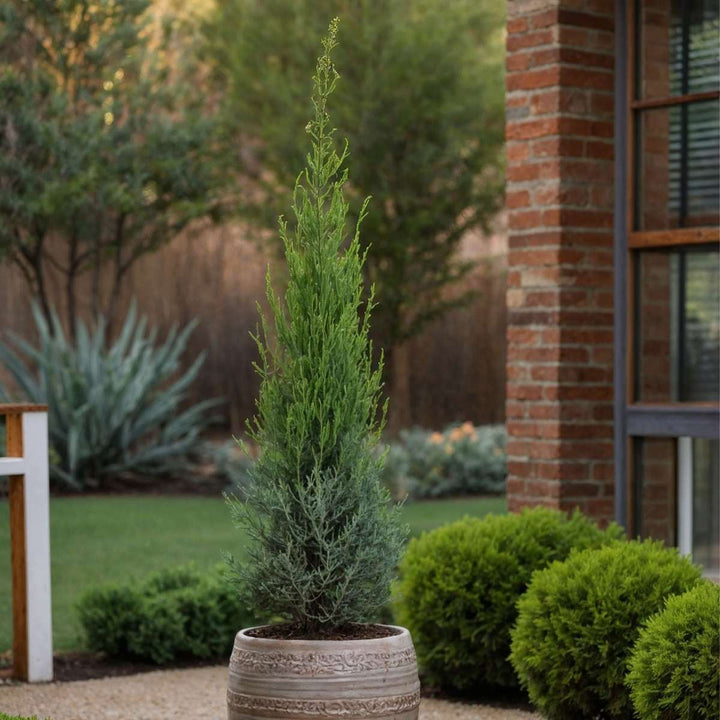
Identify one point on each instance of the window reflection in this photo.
(678, 326)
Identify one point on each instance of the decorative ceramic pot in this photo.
(353, 679)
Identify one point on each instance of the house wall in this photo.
(559, 408)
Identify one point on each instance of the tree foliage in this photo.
(105, 149)
(324, 540)
(422, 106)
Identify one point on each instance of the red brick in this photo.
(515, 63)
(558, 147)
(525, 219)
(533, 79)
(518, 199)
(545, 19)
(559, 100)
(587, 20)
(516, 25)
(532, 39)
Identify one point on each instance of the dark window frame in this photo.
(637, 419)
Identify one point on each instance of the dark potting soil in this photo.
(353, 631)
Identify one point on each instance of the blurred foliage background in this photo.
(147, 149)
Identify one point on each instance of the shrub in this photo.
(113, 410)
(579, 619)
(174, 615)
(460, 583)
(324, 541)
(674, 667)
(461, 460)
(3, 716)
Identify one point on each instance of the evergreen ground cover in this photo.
(98, 540)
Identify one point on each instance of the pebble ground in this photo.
(197, 694)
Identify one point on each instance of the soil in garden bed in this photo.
(74, 666)
(293, 631)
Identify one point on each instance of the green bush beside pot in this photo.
(460, 583)
(578, 622)
(174, 615)
(675, 666)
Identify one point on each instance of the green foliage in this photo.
(459, 586)
(675, 665)
(578, 622)
(106, 152)
(174, 615)
(324, 539)
(3, 716)
(110, 411)
(422, 106)
(462, 460)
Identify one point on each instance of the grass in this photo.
(98, 540)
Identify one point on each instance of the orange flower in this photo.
(436, 438)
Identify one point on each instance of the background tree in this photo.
(421, 104)
(106, 152)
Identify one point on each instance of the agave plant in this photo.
(111, 410)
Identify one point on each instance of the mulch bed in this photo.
(74, 666)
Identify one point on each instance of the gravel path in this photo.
(197, 694)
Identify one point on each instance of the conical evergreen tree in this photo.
(324, 538)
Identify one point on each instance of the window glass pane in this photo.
(706, 505)
(654, 496)
(657, 497)
(677, 344)
(677, 47)
(677, 169)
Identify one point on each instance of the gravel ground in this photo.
(197, 694)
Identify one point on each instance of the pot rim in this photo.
(402, 634)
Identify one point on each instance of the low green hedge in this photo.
(674, 667)
(174, 615)
(3, 716)
(578, 622)
(459, 586)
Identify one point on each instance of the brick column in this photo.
(560, 301)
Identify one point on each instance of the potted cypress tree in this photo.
(324, 538)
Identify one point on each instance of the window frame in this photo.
(635, 419)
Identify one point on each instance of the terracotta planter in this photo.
(353, 679)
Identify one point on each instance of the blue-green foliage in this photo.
(175, 614)
(460, 583)
(110, 410)
(324, 541)
(675, 665)
(578, 622)
(462, 460)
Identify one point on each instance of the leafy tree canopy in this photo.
(106, 151)
(421, 104)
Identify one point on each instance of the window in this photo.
(668, 293)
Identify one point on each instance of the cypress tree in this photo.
(324, 538)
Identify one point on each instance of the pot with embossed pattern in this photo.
(362, 678)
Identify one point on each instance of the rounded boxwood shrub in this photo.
(459, 585)
(675, 665)
(579, 620)
(175, 614)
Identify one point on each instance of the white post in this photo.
(685, 495)
(27, 465)
(37, 544)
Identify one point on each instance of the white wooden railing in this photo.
(26, 432)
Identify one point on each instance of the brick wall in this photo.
(560, 298)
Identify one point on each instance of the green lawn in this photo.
(99, 540)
